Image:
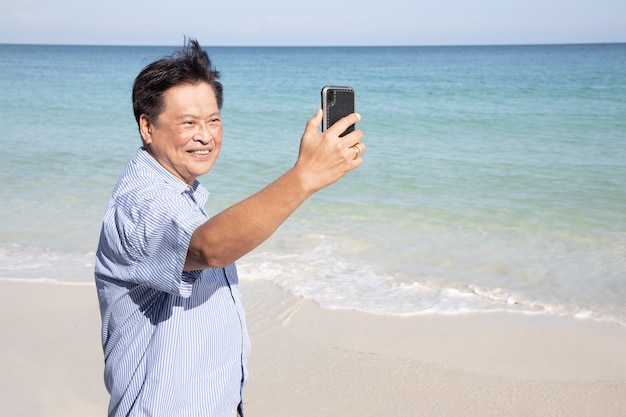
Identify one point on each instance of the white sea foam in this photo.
(34, 263)
(324, 277)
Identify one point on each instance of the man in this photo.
(173, 327)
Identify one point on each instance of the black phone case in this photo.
(337, 102)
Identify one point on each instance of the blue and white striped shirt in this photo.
(175, 343)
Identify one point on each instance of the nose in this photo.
(203, 134)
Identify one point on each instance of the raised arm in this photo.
(323, 159)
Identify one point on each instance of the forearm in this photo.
(323, 159)
(240, 228)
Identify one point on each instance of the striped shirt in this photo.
(175, 343)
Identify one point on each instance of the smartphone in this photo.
(337, 102)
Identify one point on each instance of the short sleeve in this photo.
(156, 236)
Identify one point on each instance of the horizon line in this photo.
(322, 46)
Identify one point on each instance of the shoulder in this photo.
(145, 182)
(146, 194)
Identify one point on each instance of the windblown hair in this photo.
(190, 65)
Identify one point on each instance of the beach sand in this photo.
(308, 361)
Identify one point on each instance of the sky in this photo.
(319, 22)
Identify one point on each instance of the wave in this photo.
(333, 282)
(34, 263)
(326, 275)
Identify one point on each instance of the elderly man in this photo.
(173, 327)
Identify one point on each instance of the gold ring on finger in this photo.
(357, 151)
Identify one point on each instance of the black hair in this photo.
(190, 65)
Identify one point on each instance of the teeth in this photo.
(200, 152)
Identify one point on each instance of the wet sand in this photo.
(308, 361)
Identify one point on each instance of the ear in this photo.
(145, 128)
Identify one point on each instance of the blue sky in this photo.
(320, 22)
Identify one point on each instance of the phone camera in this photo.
(331, 97)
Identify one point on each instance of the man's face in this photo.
(186, 138)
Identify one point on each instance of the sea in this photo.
(494, 179)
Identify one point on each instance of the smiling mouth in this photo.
(200, 153)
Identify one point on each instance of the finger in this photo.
(344, 123)
(358, 149)
(314, 123)
(352, 138)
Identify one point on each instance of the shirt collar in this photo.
(144, 158)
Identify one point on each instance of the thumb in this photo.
(314, 123)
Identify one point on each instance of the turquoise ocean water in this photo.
(494, 180)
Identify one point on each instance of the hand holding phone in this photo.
(337, 102)
(326, 157)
